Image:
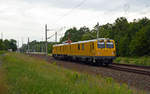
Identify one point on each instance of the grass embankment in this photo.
(2, 52)
(144, 61)
(26, 75)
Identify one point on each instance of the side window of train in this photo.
(82, 46)
(78, 46)
(92, 45)
(70, 47)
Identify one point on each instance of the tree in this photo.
(123, 46)
(12, 45)
(140, 45)
(74, 34)
(8, 44)
(2, 46)
(88, 36)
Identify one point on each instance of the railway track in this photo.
(144, 70)
(131, 65)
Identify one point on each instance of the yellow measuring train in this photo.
(98, 51)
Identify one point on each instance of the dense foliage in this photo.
(132, 38)
(8, 44)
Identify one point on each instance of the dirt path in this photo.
(0, 60)
(0, 63)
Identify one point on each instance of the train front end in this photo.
(106, 51)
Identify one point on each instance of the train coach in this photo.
(98, 51)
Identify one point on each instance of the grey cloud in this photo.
(98, 5)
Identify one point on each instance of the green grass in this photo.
(2, 52)
(144, 61)
(20, 74)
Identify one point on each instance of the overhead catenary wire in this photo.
(50, 36)
(70, 11)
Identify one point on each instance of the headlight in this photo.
(113, 53)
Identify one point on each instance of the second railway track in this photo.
(144, 70)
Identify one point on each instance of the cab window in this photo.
(109, 45)
(101, 44)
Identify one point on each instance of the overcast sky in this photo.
(20, 19)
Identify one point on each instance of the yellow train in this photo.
(97, 51)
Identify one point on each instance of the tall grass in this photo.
(26, 75)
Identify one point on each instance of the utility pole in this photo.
(97, 26)
(42, 48)
(18, 46)
(28, 45)
(2, 35)
(55, 36)
(97, 34)
(22, 40)
(46, 52)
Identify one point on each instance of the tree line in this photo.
(131, 38)
(8, 45)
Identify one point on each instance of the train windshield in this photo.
(109, 45)
(101, 44)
